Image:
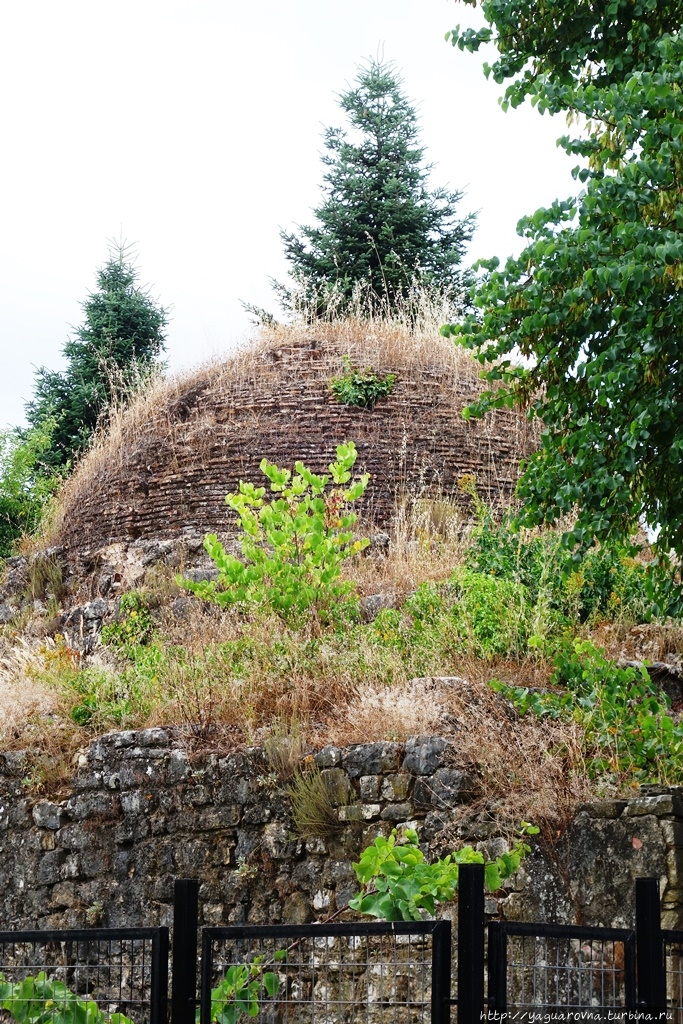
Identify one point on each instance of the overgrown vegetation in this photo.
(293, 546)
(496, 603)
(43, 1000)
(399, 884)
(361, 388)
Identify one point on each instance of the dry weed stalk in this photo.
(529, 768)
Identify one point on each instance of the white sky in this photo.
(193, 126)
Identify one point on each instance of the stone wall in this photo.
(143, 811)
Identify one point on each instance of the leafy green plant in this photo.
(594, 301)
(361, 388)
(626, 723)
(134, 624)
(398, 883)
(41, 1000)
(605, 582)
(293, 546)
(240, 989)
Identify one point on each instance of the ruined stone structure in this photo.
(144, 811)
(171, 463)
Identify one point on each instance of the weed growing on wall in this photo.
(361, 388)
(241, 989)
(399, 884)
(293, 546)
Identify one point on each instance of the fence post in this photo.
(470, 943)
(649, 947)
(184, 976)
(441, 973)
(158, 1013)
(497, 966)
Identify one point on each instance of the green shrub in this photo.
(626, 724)
(26, 484)
(399, 885)
(134, 624)
(293, 546)
(361, 388)
(604, 582)
(240, 990)
(42, 1000)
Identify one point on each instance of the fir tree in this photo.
(119, 342)
(379, 224)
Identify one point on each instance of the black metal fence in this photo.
(344, 973)
(86, 976)
(560, 969)
(375, 973)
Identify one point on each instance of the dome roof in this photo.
(166, 464)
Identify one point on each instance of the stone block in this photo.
(370, 758)
(153, 738)
(48, 868)
(337, 784)
(48, 815)
(423, 754)
(664, 804)
(256, 814)
(278, 843)
(297, 909)
(133, 802)
(178, 767)
(674, 868)
(604, 808)
(369, 812)
(329, 757)
(93, 805)
(369, 788)
(397, 812)
(444, 789)
(396, 787)
(672, 832)
(212, 818)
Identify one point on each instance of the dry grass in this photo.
(528, 768)
(22, 698)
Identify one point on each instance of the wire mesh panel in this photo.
(326, 974)
(560, 968)
(673, 961)
(72, 977)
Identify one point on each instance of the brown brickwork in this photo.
(171, 471)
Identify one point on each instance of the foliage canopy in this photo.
(595, 301)
(379, 223)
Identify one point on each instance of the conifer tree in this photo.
(379, 223)
(119, 342)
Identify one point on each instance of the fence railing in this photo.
(366, 973)
(59, 975)
(560, 968)
(357, 972)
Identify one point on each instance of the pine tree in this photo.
(379, 224)
(119, 342)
